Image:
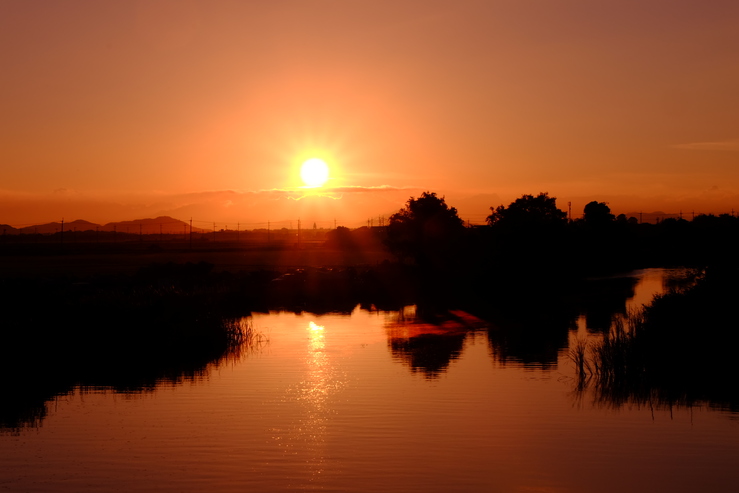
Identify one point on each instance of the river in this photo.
(378, 401)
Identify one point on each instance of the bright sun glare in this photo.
(314, 172)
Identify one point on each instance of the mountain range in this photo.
(161, 224)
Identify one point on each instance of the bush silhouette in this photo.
(426, 230)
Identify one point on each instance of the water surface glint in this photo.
(375, 401)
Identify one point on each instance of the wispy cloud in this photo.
(299, 196)
(350, 204)
(335, 193)
(379, 188)
(725, 145)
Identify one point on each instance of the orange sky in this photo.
(121, 110)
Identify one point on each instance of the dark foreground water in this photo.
(378, 401)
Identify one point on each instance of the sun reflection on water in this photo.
(316, 387)
(314, 395)
(315, 390)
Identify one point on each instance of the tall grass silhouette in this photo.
(672, 352)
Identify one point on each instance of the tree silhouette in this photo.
(528, 235)
(426, 229)
(597, 214)
(528, 211)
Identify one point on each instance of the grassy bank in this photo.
(679, 350)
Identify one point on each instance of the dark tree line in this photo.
(532, 233)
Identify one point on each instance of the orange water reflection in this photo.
(429, 342)
(326, 406)
(319, 382)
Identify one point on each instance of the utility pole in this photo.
(334, 223)
(640, 214)
(238, 227)
(214, 232)
(161, 238)
(190, 232)
(61, 238)
(298, 232)
(268, 232)
(569, 211)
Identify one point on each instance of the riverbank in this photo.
(677, 351)
(86, 260)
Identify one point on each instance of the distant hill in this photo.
(80, 225)
(163, 224)
(48, 228)
(656, 216)
(54, 227)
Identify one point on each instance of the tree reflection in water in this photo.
(522, 329)
(427, 341)
(128, 366)
(672, 352)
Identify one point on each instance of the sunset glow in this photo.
(185, 109)
(361, 245)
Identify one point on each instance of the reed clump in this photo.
(244, 338)
(671, 352)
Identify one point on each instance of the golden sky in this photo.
(120, 110)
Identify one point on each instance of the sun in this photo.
(314, 172)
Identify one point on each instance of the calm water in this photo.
(376, 401)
